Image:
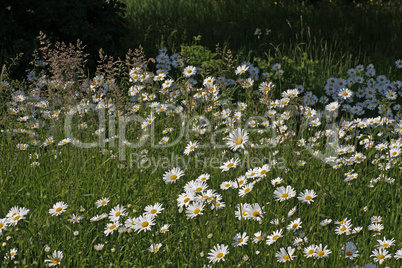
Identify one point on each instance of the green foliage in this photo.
(341, 27)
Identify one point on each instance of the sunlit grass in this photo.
(37, 177)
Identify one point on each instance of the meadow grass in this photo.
(368, 30)
(45, 162)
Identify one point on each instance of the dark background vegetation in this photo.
(98, 24)
(369, 31)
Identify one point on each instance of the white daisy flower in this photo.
(218, 253)
(237, 139)
(173, 175)
(58, 208)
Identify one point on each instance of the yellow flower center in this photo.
(275, 237)
(230, 165)
(196, 211)
(252, 174)
(295, 225)
(173, 177)
(256, 213)
(156, 249)
(186, 200)
(112, 227)
(285, 195)
(381, 256)
(320, 253)
(238, 141)
(17, 218)
(103, 203)
(247, 190)
(55, 261)
(153, 211)
(343, 229)
(58, 209)
(311, 251)
(198, 189)
(117, 213)
(308, 197)
(286, 257)
(1, 225)
(144, 224)
(385, 245)
(191, 148)
(263, 172)
(349, 253)
(219, 255)
(240, 240)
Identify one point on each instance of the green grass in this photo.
(341, 29)
(79, 177)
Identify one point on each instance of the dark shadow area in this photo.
(364, 29)
(98, 24)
